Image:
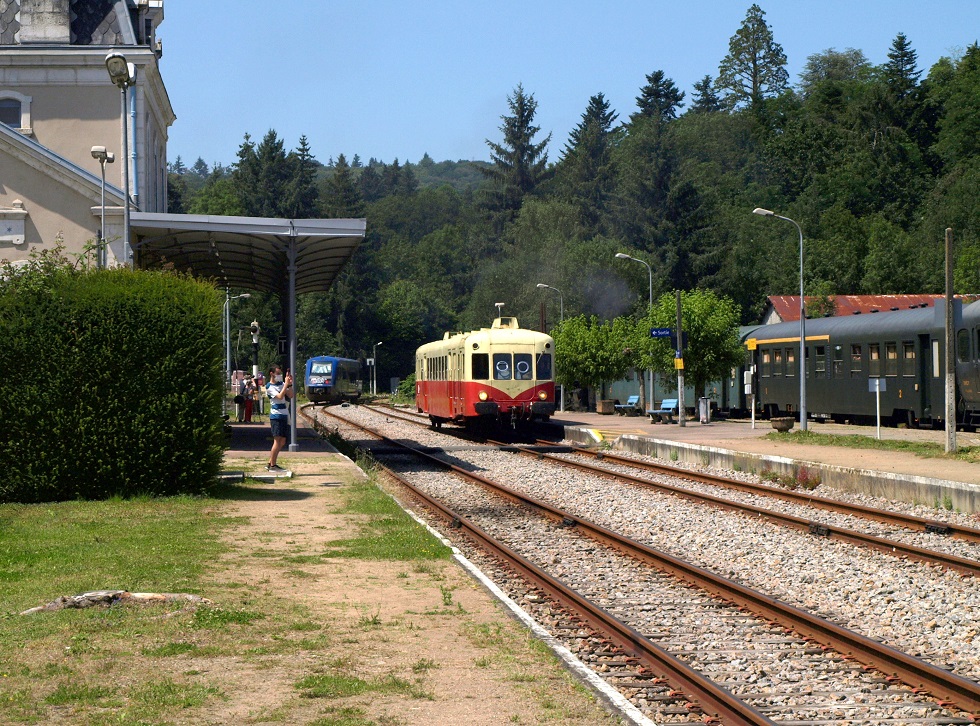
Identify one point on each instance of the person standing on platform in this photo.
(249, 398)
(280, 390)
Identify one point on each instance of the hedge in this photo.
(113, 384)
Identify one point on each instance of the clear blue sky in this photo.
(389, 79)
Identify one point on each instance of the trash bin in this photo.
(704, 408)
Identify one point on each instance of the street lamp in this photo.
(768, 213)
(123, 75)
(374, 368)
(561, 307)
(104, 157)
(228, 298)
(624, 256)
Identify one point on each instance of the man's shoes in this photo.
(274, 468)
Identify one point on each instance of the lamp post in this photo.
(103, 157)
(768, 213)
(228, 298)
(123, 75)
(374, 368)
(561, 308)
(624, 256)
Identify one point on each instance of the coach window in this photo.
(481, 366)
(963, 345)
(855, 360)
(838, 361)
(891, 359)
(523, 370)
(766, 363)
(501, 367)
(874, 360)
(790, 361)
(544, 366)
(777, 362)
(820, 362)
(908, 358)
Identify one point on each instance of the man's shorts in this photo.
(280, 426)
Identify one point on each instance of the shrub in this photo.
(113, 383)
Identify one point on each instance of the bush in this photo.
(113, 383)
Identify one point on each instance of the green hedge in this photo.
(112, 386)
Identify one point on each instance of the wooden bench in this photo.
(666, 412)
(630, 407)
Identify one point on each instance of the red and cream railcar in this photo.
(503, 373)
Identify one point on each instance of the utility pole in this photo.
(679, 363)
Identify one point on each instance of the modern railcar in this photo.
(500, 374)
(332, 380)
(905, 349)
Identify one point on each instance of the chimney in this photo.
(44, 21)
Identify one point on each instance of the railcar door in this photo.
(968, 373)
(456, 365)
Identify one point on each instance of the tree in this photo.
(519, 165)
(705, 99)
(755, 67)
(586, 171)
(659, 97)
(899, 72)
(834, 66)
(303, 198)
(593, 352)
(341, 196)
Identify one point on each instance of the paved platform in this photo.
(736, 444)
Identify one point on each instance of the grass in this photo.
(924, 449)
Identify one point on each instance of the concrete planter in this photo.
(782, 423)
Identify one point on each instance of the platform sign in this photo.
(661, 333)
(876, 386)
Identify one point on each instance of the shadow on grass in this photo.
(239, 492)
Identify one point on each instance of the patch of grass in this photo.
(80, 694)
(166, 695)
(219, 618)
(924, 449)
(339, 685)
(169, 650)
(388, 534)
(370, 621)
(348, 716)
(424, 665)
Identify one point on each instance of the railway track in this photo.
(709, 633)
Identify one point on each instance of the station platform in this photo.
(735, 444)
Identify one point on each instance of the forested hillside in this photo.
(873, 160)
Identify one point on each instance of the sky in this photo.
(389, 79)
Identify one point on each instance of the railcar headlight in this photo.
(483, 396)
(542, 395)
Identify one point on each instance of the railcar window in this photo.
(502, 367)
(891, 359)
(766, 363)
(838, 361)
(856, 360)
(777, 362)
(322, 368)
(523, 369)
(908, 355)
(544, 366)
(481, 366)
(820, 361)
(963, 345)
(874, 359)
(790, 361)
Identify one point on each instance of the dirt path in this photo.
(433, 645)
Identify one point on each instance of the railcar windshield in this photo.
(523, 370)
(502, 367)
(544, 366)
(321, 367)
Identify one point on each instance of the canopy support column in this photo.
(291, 332)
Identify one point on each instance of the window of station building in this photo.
(891, 359)
(777, 362)
(10, 112)
(838, 361)
(856, 360)
(908, 358)
(766, 368)
(544, 366)
(963, 345)
(874, 359)
(480, 363)
(502, 367)
(791, 362)
(820, 361)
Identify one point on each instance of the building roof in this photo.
(248, 252)
(90, 22)
(787, 307)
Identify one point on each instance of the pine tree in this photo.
(341, 196)
(899, 72)
(586, 169)
(302, 201)
(755, 67)
(659, 97)
(372, 186)
(705, 100)
(519, 165)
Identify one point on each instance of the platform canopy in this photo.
(253, 253)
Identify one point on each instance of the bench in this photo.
(630, 407)
(664, 414)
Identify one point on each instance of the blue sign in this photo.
(661, 332)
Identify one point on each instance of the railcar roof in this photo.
(899, 322)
